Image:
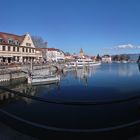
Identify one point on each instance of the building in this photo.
(81, 54)
(55, 55)
(69, 57)
(106, 59)
(15, 48)
(39, 55)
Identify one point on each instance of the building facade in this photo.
(19, 49)
(55, 55)
(106, 59)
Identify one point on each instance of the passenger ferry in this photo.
(82, 62)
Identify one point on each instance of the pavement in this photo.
(7, 133)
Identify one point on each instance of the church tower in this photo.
(81, 52)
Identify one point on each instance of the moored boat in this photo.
(43, 79)
(86, 62)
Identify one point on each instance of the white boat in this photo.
(86, 62)
(80, 63)
(124, 61)
(42, 79)
(38, 77)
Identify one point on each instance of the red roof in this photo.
(52, 49)
(6, 36)
(39, 49)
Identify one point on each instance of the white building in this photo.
(15, 48)
(55, 55)
(106, 59)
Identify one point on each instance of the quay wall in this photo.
(10, 73)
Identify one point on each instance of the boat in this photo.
(43, 79)
(124, 61)
(80, 63)
(39, 77)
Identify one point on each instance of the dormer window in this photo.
(1, 40)
(10, 41)
(17, 42)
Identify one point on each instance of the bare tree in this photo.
(67, 53)
(39, 42)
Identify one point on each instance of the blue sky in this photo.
(97, 26)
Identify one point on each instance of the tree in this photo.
(124, 57)
(116, 58)
(138, 61)
(39, 42)
(67, 53)
(98, 58)
(121, 57)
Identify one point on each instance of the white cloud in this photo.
(124, 47)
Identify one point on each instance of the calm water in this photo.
(98, 99)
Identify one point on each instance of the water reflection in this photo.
(139, 66)
(20, 87)
(24, 88)
(125, 70)
(121, 69)
(86, 73)
(103, 83)
(74, 80)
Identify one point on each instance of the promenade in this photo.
(7, 133)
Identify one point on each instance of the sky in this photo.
(97, 26)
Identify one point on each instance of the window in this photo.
(1, 40)
(26, 49)
(9, 48)
(17, 49)
(30, 50)
(17, 42)
(3, 48)
(10, 41)
(14, 48)
(28, 44)
(22, 49)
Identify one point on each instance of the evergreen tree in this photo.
(98, 58)
(138, 61)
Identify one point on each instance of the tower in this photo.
(81, 52)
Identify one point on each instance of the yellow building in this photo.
(15, 48)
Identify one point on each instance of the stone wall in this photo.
(12, 75)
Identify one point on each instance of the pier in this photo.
(8, 73)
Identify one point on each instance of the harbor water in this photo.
(98, 101)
